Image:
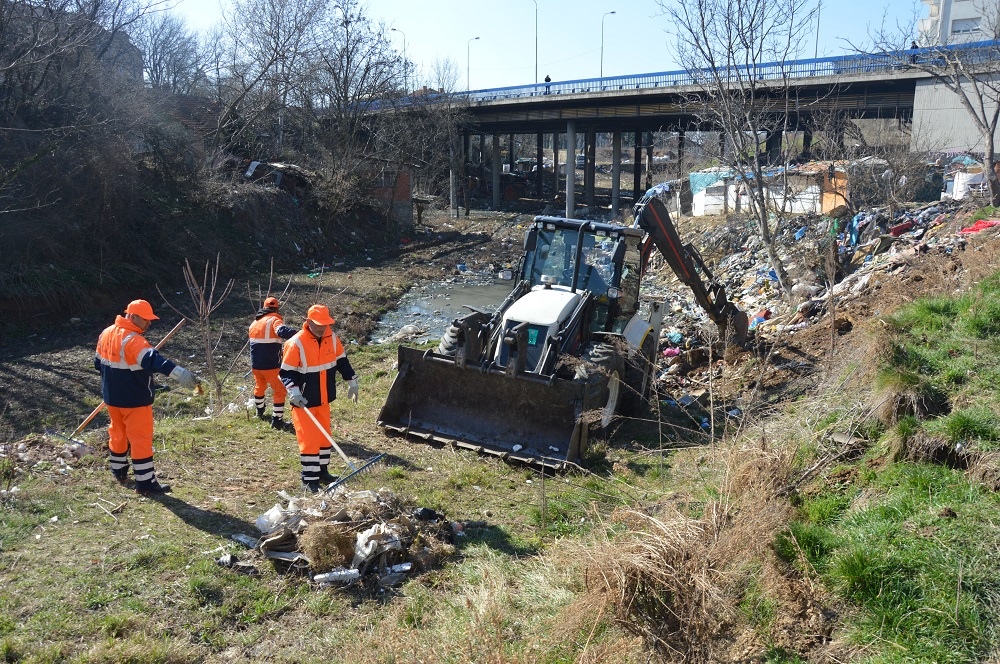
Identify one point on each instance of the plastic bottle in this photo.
(338, 575)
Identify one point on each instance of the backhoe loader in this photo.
(570, 347)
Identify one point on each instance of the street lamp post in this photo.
(406, 66)
(468, 69)
(536, 41)
(602, 41)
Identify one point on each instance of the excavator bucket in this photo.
(519, 418)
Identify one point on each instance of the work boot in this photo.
(260, 414)
(311, 486)
(279, 424)
(325, 478)
(152, 488)
(121, 475)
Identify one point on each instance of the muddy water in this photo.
(426, 310)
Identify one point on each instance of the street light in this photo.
(406, 67)
(602, 41)
(468, 48)
(536, 41)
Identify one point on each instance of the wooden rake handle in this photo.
(329, 438)
(101, 405)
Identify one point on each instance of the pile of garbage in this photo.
(871, 242)
(372, 538)
(38, 454)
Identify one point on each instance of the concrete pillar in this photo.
(590, 150)
(511, 152)
(539, 140)
(807, 141)
(482, 157)
(496, 167)
(722, 145)
(555, 164)
(570, 168)
(649, 160)
(637, 168)
(616, 171)
(466, 150)
(452, 194)
(680, 154)
(772, 146)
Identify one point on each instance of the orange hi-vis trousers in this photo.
(132, 426)
(264, 377)
(310, 438)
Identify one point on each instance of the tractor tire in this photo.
(639, 371)
(451, 342)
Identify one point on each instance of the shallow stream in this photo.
(426, 310)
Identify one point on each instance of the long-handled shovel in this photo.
(354, 470)
(100, 406)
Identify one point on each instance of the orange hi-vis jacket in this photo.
(308, 364)
(127, 362)
(267, 333)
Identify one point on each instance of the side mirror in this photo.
(614, 293)
(506, 274)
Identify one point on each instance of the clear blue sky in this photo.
(636, 37)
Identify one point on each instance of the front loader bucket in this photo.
(518, 418)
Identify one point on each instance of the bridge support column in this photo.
(466, 150)
(452, 194)
(570, 168)
(482, 157)
(680, 154)
(495, 168)
(637, 167)
(772, 146)
(649, 161)
(616, 171)
(807, 141)
(555, 164)
(511, 152)
(589, 164)
(539, 140)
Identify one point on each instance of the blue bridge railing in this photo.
(840, 65)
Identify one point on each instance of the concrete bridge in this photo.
(857, 86)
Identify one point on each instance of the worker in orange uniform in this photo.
(307, 370)
(127, 362)
(267, 333)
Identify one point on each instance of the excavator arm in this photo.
(651, 216)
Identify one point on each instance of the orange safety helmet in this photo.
(271, 303)
(142, 309)
(319, 314)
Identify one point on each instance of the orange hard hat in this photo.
(319, 314)
(142, 309)
(271, 303)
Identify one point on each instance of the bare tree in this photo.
(736, 51)
(969, 71)
(205, 300)
(170, 53)
(269, 45)
(444, 75)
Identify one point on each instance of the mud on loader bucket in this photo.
(436, 399)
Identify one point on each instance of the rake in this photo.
(352, 470)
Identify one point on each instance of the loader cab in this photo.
(575, 255)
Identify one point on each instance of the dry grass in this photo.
(677, 581)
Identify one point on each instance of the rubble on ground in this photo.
(373, 538)
(38, 454)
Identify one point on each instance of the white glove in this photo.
(296, 399)
(187, 379)
(352, 389)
